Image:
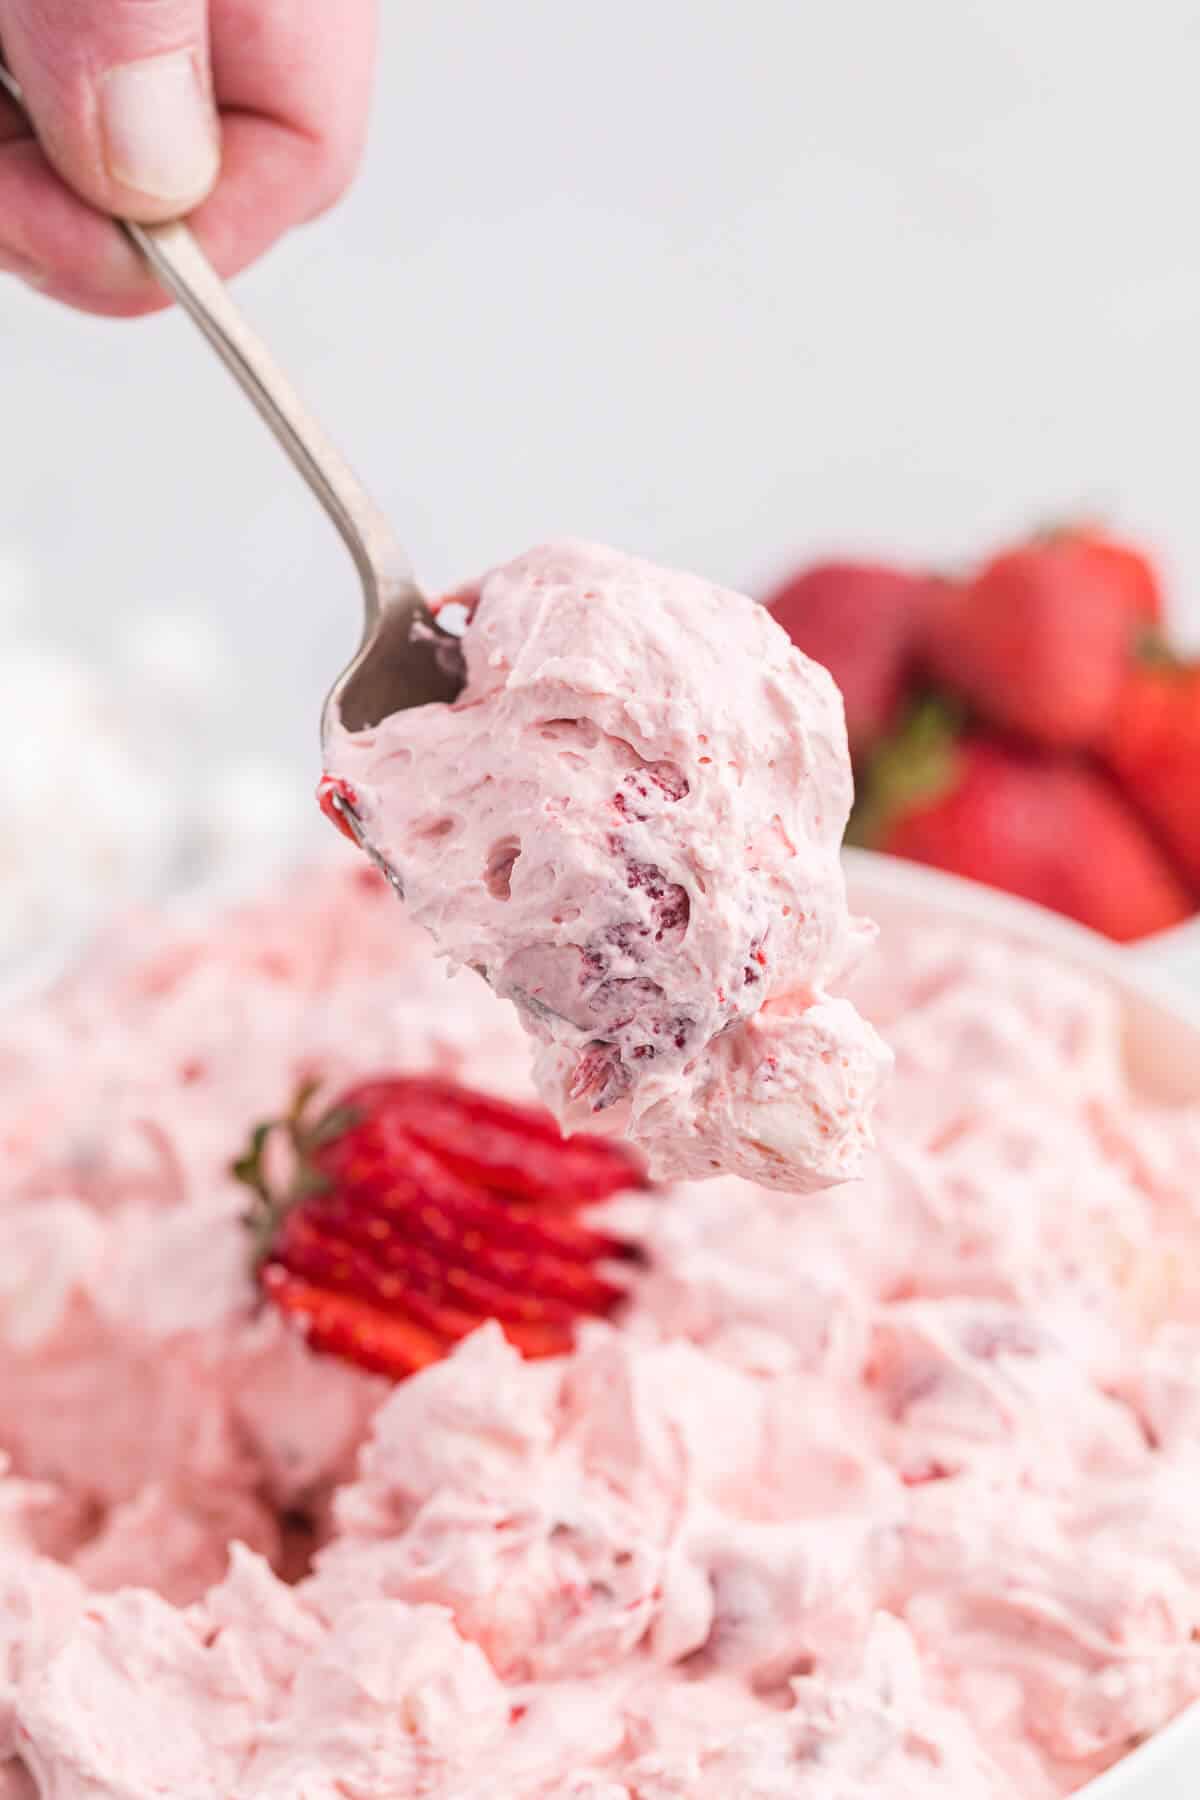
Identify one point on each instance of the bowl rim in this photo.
(1138, 967)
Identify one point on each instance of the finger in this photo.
(55, 240)
(302, 63)
(294, 82)
(120, 93)
(301, 85)
(273, 177)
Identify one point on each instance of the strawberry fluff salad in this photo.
(889, 1492)
(630, 823)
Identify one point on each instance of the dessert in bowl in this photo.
(885, 1488)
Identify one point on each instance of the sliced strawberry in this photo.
(434, 1204)
(479, 1221)
(512, 1150)
(345, 1327)
(420, 1293)
(494, 1283)
(420, 1209)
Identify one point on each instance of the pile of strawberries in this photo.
(1026, 725)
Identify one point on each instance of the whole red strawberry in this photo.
(862, 622)
(1125, 565)
(1153, 748)
(418, 1208)
(1039, 641)
(1048, 828)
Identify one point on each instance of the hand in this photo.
(246, 115)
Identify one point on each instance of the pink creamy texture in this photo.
(630, 822)
(888, 1493)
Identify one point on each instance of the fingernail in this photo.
(160, 136)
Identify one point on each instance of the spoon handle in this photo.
(182, 267)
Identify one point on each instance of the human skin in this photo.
(246, 116)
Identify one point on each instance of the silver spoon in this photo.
(405, 658)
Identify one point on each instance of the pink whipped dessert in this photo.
(630, 823)
(888, 1493)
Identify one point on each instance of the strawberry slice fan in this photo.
(417, 1209)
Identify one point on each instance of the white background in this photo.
(718, 280)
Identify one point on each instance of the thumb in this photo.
(120, 94)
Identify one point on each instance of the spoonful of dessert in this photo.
(630, 821)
